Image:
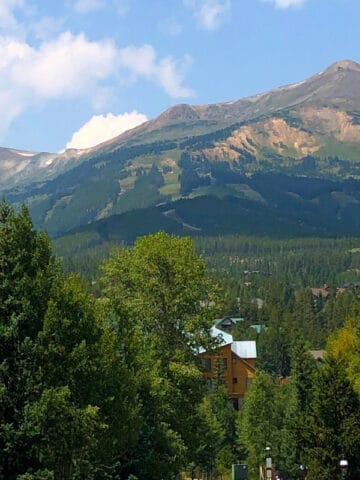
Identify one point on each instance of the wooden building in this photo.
(236, 361)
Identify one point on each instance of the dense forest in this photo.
(100, 377)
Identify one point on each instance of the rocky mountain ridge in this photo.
(21, 167)
(336, 87)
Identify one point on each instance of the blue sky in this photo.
(74, 72)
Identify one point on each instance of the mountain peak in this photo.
(337, 86)
(181, 111)
(343, 65)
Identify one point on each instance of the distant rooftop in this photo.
(259, 327)
(233, 320)
(318, 355)
(243, 349)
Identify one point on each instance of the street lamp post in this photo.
(344, 464)
(303, 470)
(268, 463)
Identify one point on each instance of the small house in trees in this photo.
(234, 362)
(324, 291)
(318, 355)
(321, 292)
(227, 323)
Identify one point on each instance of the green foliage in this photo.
(163, 280)
(112, 387)
(214, 435)
(211, 436)
(38, 475)
(273, 346)
(67, 399)
(27, 271)
(334, 424)
(259, 423)
(82, 353)
(344, 345)
(163, 303)
(64, 433)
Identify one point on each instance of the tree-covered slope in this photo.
(269, 205)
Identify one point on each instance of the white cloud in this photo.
(209, 14)
(167, 72)
(71, 66)
(67, 66)
(287, 3)
(101, 128)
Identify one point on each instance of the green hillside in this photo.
(269, 205)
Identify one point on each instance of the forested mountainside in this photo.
(266, 205)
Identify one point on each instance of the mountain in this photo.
(292, 135)
(336, 88)
(21, 167)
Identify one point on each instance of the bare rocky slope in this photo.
(21, 167)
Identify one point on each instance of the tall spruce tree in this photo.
(27, 272)
(334, 420)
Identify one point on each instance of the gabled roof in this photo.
(231, 320)
(223, 337)
(259, 327)
(244, 349)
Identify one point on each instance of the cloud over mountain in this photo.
(101, 128)
(35, 69)
(72, 66)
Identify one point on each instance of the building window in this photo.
(211, 383)
(235, 380)
(224, 363)
(248, 383)
(206, 364)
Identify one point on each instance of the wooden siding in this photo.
(236, 368)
